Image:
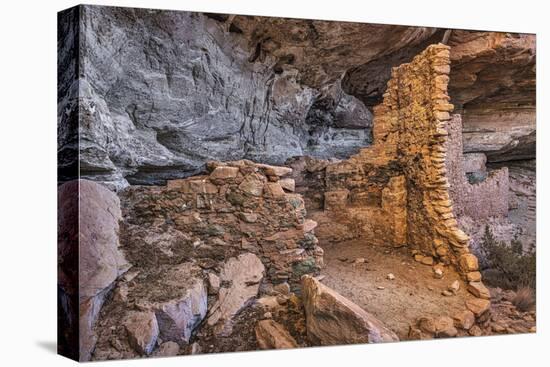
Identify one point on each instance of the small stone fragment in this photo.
(427, 260)
(390, 276)
(444, 327)
(288, 184)
(475, 331)
(143, 331)
(464, 319)
(213, 283)
(454, 287)
(478, 306)
(282, 288)
(168, 349)
(468, 263)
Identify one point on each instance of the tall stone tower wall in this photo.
(397, 191)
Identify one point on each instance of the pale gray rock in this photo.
(101, 261)
(143, 331)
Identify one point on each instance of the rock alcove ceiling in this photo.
(163, 92)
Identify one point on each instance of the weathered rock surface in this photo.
(332, 319)
(196, 87)
(100, 260)
(244, 274)
(177, 295)
(150, 306)
(143, 331)
(272, 335)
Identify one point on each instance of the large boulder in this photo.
(177, 295)
(332, 319)
(242, 275)
(100, 261)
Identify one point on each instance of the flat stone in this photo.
(143, 331)
(427, 260)
(288, 184)
(248, 217)
(253, 185)
(438, 273)
(309, 225)
(479, 290)
(282, 288)
(272, 335)
(224, 172)
(478, 306)
(279, 171)
(273, 189)
(468, 263)
(332, 319)
(473, 276)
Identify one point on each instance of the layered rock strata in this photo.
(177, 89)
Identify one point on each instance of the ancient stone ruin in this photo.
(244, 255)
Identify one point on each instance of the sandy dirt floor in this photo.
(413, 293)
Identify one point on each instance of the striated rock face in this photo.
(172, 90)
(332, 319)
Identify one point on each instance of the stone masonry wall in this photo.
(396, 192)
(480, 200)
(239, 207)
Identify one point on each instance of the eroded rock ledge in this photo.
(172, 90)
